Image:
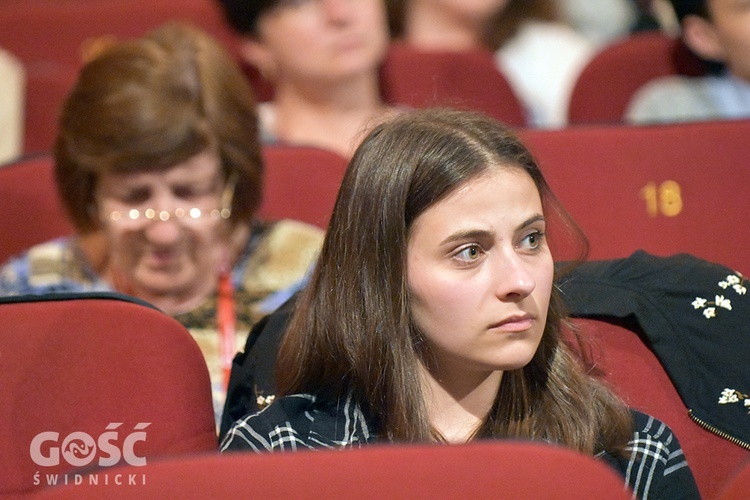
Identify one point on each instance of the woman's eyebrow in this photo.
(468, 234)
(531, 220)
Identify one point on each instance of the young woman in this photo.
(432, 317)
(322, 58)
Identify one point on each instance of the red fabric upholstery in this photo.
(607, 83)
(614, 180)
(79, 365)
(468, 80)
(481, 470)
(636, 375)
(50, 37)
(301, 183)
(738, 486)
(32, 212)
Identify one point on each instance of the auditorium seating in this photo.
(607, 83)
(665, 189)
(84, 374)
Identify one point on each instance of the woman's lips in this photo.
(518, 323)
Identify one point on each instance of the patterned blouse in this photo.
(656, 467)
(271, 268)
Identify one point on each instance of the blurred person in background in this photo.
(158, 163)
(717, 31)
(539, 54)
(322, 57)
(12, 81)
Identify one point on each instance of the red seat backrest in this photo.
(31, 208)
(738, 486)
(301, 183)
(635, 373)
(499, 469)
(664, 189)
(74, 366)
(604, 88)
(50, 38)
(468, 80)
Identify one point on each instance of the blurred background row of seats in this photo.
(658, 188)
(52, 39)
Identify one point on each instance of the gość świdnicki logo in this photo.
(80, 449)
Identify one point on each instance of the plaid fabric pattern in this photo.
(656, 462)
(300, 422)
(655, 469)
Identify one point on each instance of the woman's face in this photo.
(170, 252)
(322, 40)
(480, 274)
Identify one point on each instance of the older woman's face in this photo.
(479, 273)
(166, 235)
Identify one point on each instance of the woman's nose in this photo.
(163, 230)
(514, 279)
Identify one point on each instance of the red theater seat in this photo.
(467, 80)
(664, 189)
(479, 470)
(608, 82)
(32, 212)
(635, 373)
(77, 368)
(301, 183)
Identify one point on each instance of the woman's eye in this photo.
(136, 196)
(533, 240)
(469, 254)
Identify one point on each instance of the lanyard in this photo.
(225, 318)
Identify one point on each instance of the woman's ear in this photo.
(254, 52)
(700, 35)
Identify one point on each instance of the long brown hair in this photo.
(352, 330)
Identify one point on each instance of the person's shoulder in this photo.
(283, 425)
(672, 98)
(282, 254)
(553, 34)
(301, 421)
(37, 269)
(657, 466)
(289, 231)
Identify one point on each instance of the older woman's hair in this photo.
(353, 331)
(150, 104)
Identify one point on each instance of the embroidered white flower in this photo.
(736, 282)
(734, 396)
(729, 396)
(699, 302)
(264, 401)
(722, 302)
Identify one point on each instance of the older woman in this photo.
(158, 164)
